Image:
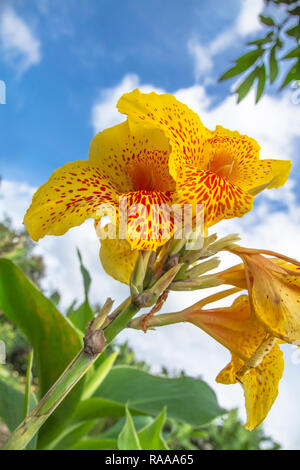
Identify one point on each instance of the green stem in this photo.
(69, 378)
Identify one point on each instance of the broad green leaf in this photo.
(128, 438)
(52, 336)
(81, 316)
(140, 422)
(244, 88)
(151, 436)
(95, 444)
(72, 435)
(261, 82)
(12, 407)
(273, 65)
(267, 20)
(187, 399)
(99, 375)
(101, 407)
(294, 32)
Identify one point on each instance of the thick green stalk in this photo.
(69, 378)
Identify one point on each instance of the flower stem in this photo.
(69, 378)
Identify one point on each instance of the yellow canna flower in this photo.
(160, 156)
(274, 290)
(235, 328)
(128, 164)
(219, 169)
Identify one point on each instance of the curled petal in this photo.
(236, 157)
(221, 198)
(117, 258)
(260, 384)
(73, 194)
(133, 157)
(183, 127)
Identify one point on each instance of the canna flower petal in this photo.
(236, 157)
(219, 169)
(117, 258)
(127, 163)
(260, 384)
(181, 125)
(235, 328)
(221, 199)
(133, 157)
(275, 293)
(150, 221)
(72, 195)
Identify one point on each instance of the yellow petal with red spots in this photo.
(150, 221)
(236, 157)
(221, 198)
(183, 127)
(117, 258)
(275, 293)
(133, 157)
(72, 194)
(260, 384)
(234, 327)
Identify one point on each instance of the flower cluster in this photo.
(163, 156)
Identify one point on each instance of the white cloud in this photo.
(246, 23)
(19, 45)
(104, 112)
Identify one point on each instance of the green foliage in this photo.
(53, 338)
(12, 402)
(120, 404)
(265, 57)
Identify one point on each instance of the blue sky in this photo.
(82, 48)
(65, 64)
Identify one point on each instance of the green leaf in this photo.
(295, 11)
(293, 53)
(81, 316)
(72, 435)
(242, 64)
(261, 41)
(293, 74)
(267, 20)
(12, 407)
(128, 438)
(244, 88)
(85, 276)
(273, 65)
(95, 444)
(187, 399)
(261, 82)
(98, 376)
(52, 336)
(151, 436)
(294, 32)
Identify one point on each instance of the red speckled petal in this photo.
(222, 199)
(133, 157)
(150, 222)
(236, 157)
(72, 195)
(183, 127)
